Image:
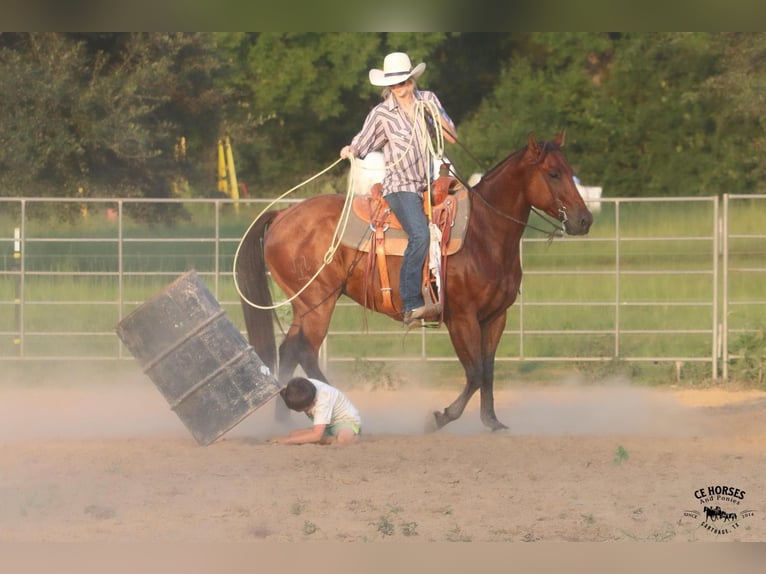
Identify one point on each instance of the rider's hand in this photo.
(346, 152)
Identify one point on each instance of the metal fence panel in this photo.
(743, 319)
(643, 286)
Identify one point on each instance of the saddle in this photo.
(373, 228)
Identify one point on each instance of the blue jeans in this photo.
(408, 208)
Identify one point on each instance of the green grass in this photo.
(661, 301)
(621, 455)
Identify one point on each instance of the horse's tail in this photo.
(250, 275)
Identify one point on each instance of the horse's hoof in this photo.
(434, 421)
(430, 425)
(496, 426)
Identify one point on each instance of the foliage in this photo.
(543, 89)
(313, 91)
(385, 526)
(104, 115)
(647, 114)
(661, 136)
(139, 114)
(621, 455)
(750, 348)
(740, 86)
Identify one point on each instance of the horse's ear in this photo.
(559, 139)
(532, 144)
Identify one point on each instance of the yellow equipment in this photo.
(227, 175)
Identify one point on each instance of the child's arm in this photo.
(302, 436)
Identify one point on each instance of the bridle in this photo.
(557, 228)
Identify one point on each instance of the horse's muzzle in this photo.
(577, 223)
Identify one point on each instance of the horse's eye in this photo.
(554, 174)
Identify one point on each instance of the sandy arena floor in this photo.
(108, 461)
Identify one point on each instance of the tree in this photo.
(645, 113)
(739, 89)
(550, 83)
(659, 136)
(310, 92)
(105, 113)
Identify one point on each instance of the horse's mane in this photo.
(545, 148)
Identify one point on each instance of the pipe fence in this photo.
(672, 281)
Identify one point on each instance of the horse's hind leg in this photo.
(304, 339)
(301, 346)
(296, 350)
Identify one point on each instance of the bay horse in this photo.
(482, 280)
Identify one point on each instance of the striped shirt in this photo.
(388, 128)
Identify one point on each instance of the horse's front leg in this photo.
(475, 345)
(455, 409)
(488, 416)
(466, 336)
(493, 330)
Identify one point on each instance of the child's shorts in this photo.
(332, 430)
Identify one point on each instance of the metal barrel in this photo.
(206, 370)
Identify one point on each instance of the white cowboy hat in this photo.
(396, 68)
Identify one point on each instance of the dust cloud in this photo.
(559, 410)
(88, 404)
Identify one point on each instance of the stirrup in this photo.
(422, 313)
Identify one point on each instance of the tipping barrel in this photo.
(206, 370)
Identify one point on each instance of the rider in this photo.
(394, 127)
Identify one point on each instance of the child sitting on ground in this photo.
(335, 417)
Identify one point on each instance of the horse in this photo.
(715, 513)
(482, 279)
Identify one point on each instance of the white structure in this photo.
(474, 179)
(591, 195)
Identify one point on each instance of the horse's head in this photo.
(551, 186)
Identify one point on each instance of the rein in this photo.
(557, 231)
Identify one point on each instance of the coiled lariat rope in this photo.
(428, 150)
(329, 254)
(431, 149)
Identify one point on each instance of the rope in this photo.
(329, 254)
(422, 108)
(428, 150)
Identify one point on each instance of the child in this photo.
(334, 417)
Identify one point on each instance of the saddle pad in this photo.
(358, 231)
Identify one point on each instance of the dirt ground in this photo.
(98, 460)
